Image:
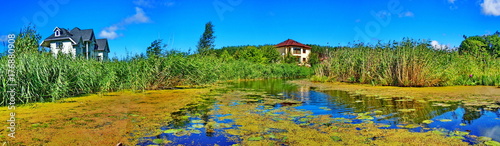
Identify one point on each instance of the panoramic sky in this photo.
(131, 26)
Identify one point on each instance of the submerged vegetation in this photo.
(408, 63)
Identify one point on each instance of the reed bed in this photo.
(407, 63)
(42, 78)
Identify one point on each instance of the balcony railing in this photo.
(296, 51)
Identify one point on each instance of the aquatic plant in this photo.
(41, 77)
(406, 63)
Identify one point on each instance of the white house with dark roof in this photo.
(77, 42)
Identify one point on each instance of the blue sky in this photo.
(132, 25)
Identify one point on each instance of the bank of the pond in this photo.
(472, 95)
(106, 119)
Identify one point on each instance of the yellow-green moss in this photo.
(105, 119)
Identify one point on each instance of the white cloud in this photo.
(451, 1)
(491, 7)
(437, 46)
(109, 32)
(138, 17)
(406, 14)
(153, 3)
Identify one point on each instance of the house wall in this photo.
(80, 50)
(302, 55)
(100, 56)
(66, 48)
(106, 56)
(282, 50)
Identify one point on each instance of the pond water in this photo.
(451, 119)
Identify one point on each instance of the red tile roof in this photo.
(291, 42)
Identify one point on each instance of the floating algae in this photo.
(406, 110)
(198, 126)
(411, 126)
(255, 138)
(445, 120)
(172, 130)
(427, 121)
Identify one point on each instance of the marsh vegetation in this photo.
(129, 93)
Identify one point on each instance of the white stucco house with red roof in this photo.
(299, 50)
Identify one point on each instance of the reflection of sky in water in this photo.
(487, 124)
(478, 122)
(319, 99)
(341, 105)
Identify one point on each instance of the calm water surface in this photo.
(392, 112)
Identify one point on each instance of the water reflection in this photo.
(393, 111)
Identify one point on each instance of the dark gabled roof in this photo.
(102, 45)
(75, 34)
(291, 42)
(86, 34)
(64, 33)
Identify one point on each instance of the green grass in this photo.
(41, 77)
(407, 63)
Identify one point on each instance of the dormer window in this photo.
(58, 33)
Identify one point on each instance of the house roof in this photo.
(64, 33)
(86, 34)
(102, 45)
(75, 34)
(291, 42)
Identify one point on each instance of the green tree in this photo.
(474, 45)
(481, 45)
(314, 58)
(494, 44)
(251, 53)
(225, 56)
(270, 53)
(206, 43)
(27, 40)
(156, 48)
(289, 58)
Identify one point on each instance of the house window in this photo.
(296, 50)
(58, 33)
(99, 57)
(59, 45)
(303, 59)
(304, 51)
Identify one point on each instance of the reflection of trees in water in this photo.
(272, 86)
(472, 113)
(389, 107)
(191, 109)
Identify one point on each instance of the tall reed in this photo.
(407, 63)
(41, 77)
